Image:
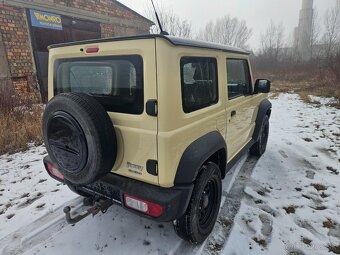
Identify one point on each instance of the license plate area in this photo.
(103, 189)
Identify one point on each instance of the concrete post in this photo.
(4, 71)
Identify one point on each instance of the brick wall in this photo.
(13, 29)
(110, 8)
(110, 30)
(16, 38)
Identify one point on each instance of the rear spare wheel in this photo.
(79, 137)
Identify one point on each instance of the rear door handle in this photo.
(233, 113)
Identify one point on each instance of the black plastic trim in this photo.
(174, 200)
(151, 167)
(264, 107)
(196, 154)
(151, 107)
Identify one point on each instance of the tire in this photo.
(79, 137)
(259, 147)
(200, 218)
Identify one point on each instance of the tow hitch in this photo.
(98, 206)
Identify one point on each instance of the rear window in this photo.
(116, 82)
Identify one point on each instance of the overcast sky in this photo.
(257, 13)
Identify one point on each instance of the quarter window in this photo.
(199, 83)
(238, 78)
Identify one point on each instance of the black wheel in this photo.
(79, 137)
(261, 144)
(199, 219)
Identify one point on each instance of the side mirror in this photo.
(262, 86)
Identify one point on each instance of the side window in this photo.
(238, 78)
(199, 83)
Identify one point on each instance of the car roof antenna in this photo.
(159, 22)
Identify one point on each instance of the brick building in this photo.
(27, 27)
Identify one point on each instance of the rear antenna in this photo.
(159, 22)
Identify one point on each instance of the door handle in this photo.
(233, 113)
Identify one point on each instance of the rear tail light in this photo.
(143, 206)
(54, 172)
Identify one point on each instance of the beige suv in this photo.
(152, 123)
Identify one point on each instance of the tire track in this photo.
(231, 202)
(29, 236)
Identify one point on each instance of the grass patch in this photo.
(289, 209)
(334, 249)
(260, 241)
(320, 207)
(308, 140)
(25, 195)
(332, 170)
(306, 88)
(306, 241)
(324, 195)
(215, 247)
(30, 200)
(225, 222)
(40, 206)
(329, 224)
(20, 123)
(318, 186)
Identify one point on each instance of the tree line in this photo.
(276, 54)
(225, 30)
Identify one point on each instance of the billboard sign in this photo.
(46, 20)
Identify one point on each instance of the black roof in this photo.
(172, 39)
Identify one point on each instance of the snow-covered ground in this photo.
(285, 203)
(292, 201)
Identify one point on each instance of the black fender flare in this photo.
(264, 107)
(197, 153)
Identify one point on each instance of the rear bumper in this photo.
(174, 200)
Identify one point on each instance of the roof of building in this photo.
(177, 41)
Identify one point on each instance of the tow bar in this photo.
(99, 206)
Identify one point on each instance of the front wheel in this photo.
(199, 220)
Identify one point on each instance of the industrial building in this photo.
(28, 27)
(303, 33)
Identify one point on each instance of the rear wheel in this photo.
(199, 220)
(261, 144)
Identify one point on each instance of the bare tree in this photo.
(332, 29)
(170, 21)
(272, 42)
(315, 34)
(226, 30)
